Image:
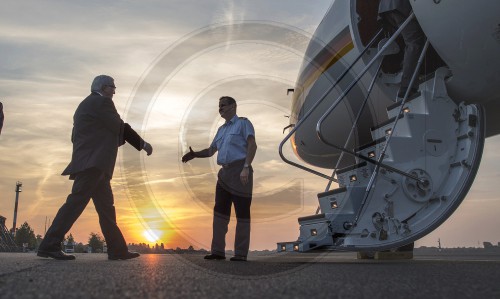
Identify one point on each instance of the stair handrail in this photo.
(360, 112)
(348, 89)
(369, 91)
(299, 124)
(393, 128)
(403, 102)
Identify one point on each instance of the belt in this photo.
(233, 164)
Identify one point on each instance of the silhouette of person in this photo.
(236, 147)
(394, 13)
(98, 131)
(1, 117)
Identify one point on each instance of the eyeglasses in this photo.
(112, 86)
(223, 105)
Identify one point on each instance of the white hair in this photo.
(101, 81)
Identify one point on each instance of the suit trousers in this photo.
(90, 183)
(222, 215)
(414, 39)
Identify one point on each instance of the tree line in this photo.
(25, 235)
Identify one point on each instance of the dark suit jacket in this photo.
(403, 6)
(98, 131)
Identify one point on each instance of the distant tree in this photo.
(70, 239)
(79, 248)
(25, 234)
(96, 242)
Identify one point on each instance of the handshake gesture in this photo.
(189, 156)
(148, 148)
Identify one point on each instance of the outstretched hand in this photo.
(148, 148)
(189, 156)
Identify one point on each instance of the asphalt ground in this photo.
(319, 275)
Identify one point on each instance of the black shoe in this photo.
(238, 258)
(123, 256)
(58, 255)
(214, 257)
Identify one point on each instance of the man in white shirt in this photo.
(236, 147)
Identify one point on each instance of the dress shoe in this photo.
(214, 257)
(123, 256)
(238, 258)
(58, 255)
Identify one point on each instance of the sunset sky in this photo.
(171, 61)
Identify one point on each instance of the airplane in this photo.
(402, 167)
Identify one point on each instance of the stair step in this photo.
(385, 123)
(288, 246)
(370, 144)
(331, 200)
(354, 175)
(427, 77)
(410, 98)
(332, 192)
(312, 218)
(352, 167)
(372, 149)
(314, 232)
(346, 201)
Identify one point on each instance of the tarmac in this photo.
(291, 275)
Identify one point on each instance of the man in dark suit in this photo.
(394, 13)
(98, 131)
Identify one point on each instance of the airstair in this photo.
(408, 180)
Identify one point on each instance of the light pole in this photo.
(19, 189)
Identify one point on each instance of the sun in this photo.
(150, 235)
